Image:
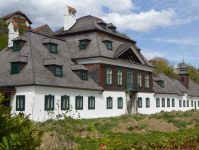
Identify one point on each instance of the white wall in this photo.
(153, 109)
(36, 95)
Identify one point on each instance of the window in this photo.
(91, 102)
(65, 101)
(109, 103)
(49, 102)
(84, 75)
(103, 26)
(53, 48)
(187, 103)
(83, 44)
(139, 102)
(198, 103)
(168, 102)
(147, 80)
(157, 102)
(113, 29)
(109, 76)
(14, 68)
(184, 103)
(16, 45)
(182, 79)
(173, 102)
(147, 102)
(20, 103)
(191, 103)
(139, 79)
(180, 103)
(119, 77)
(109, 45)
(58, 71)
(120, 102)
(162, 84)
(163, 102)
(79, 103)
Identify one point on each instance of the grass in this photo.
(180, 124)
(130, 128)
(138, 118)
(197, 125)
(143, 126)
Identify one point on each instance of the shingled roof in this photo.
(35, 72)
(16, 12)
(88, 23)
(173, 86)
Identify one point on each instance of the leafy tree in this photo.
(3, 41)
(124, 34)
(22, 30)
(162, 59)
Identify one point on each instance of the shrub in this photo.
(197, 125)
(143, 126)
(17, 131)
(170, 120)
(180, 124)
(130, 128)
(189, 123)
(22, 30)
(3, 41)
(97, 124)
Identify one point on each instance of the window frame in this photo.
(191, 103)
(106, 76)
(157, 99)
(198, 103)
(117, 78)
(180, 103)
(184, 103)
(140, 99)
(182, 78)
(45, 103)
(168, 99)
(111, 102)
(89, 102)
(62, 98)
(187, 103)
(173, 102)
(84, 71)
(20, 109)
(146, 74)
(162, 102)
(57, 75)
(114, 29)
(80, 44)
(103, 25)
(14, 46)
(119, 98)
(80, 108)
(15, 65)
(162, 84)
(107, 45)
(138, 78)
(146, 102)
(55, 48)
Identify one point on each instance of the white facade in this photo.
(36, 95)
(13, 32)
(69, 18)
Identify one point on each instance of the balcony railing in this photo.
(19, 19)
(132, 87)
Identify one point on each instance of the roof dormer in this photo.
(50, 45)
(53, 66)
(19, 42)
(112, 27)
(84, 42)
(102, 23)
(108, 42)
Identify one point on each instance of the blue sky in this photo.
(166, 28)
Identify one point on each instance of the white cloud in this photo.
(149, 56)
(121, 13)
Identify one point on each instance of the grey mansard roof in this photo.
(36, 55)
(173, 86)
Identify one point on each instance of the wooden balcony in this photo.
(19, 19)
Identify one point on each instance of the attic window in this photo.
(58, 71)
(14, 68)
(53, 48)
(83, 44)
(17, 45)
(109, 45)
(162, 84)
(113, 29)
(103, 26)
(84, 75)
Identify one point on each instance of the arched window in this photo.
(139, 79)
(146, 80)
(119, 77)
(182, 79)
(109, 76)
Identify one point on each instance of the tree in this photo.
(22, 30)
(126, 35)
(162, 59)
(3, 41)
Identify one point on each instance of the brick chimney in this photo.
(184, 75)
(13, 32)
(69, 17)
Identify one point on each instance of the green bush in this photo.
(189, 123)
(170, 120)
(180, 124)
(143, 126)
(96, 125)
(3, 41)
(22, 30)
(130, 128)
(17, 131)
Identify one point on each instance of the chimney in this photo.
(13, 32)
(69, 17)
(184, 75)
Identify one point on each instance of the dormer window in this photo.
(103, 26)
(83, 44)
(17, 45)
(109, 45)
(14, 68)
(113, 29)
(84, 75)
(53, 48)
(58, 71)
(162, 84)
